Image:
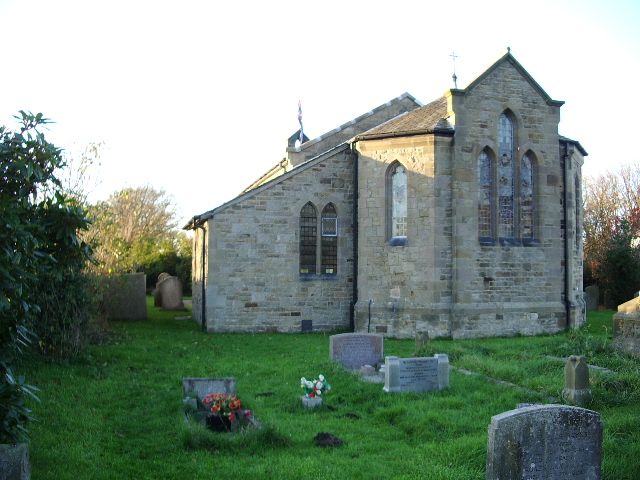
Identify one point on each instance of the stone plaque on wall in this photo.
(353, 350)
(545, 442)
(418, 374)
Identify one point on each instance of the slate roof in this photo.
(427, 119)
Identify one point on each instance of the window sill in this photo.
(309, 277)
(398, 241)
(509, 242)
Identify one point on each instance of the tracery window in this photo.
(505, 178)
(485, 197)
(507, 191)
(578, 203)
(397, 202)
(329, 241)
(527, 207)
(308, 238)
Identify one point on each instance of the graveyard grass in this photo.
(117, 412)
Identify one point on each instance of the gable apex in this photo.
(508, 57)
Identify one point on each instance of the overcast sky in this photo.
(199, 97)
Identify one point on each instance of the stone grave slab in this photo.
(354, 350)
(626, 327)
(203, 386)
(576, 381)
(170, 293)
(418, 374)
(545, 442)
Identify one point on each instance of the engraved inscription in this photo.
(418, 374)
(356, 350)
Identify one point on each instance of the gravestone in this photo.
(626, 327)
(545, 442)
(576, 381)
(353, 350)
(203, 386)
(157, 302)
(418, 374)
(170, 293)
(124, 297)
(592, 297)
(14, 462)
(422, 338)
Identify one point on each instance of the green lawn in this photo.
(116, 412)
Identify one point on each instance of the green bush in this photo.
(40, 250)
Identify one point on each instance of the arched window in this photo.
(308, 238)
(527, 197)
(329, 240)
(505, 178)
(397, 203)
(578, 203)
(485, 197)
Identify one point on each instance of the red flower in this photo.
(232, 417)
(215, 408)
(235, 404)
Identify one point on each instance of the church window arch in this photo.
(329, 240)
(486, 196)
(527, 197)
(578, 208)
(505, 170)
(396, 197)
(308, 238)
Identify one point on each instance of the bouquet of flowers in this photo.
(227, 407)
(316, 387)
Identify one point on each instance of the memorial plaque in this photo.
(545, 442)
(418, 374)
(353, 350)
(204, 386)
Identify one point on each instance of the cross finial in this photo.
(454, 76)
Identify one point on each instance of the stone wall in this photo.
(409, 286)
(253, 281)
(444, 281)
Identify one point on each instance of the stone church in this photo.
(459, 218)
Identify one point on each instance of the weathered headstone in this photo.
(14, 462)
(170, 292)
(576, 381)
(545, 442)
(157, 299)
(418, 374)
(592, 297)
(353, 350)
(422, 338)
(125, 296)
(626, 327)
(203, 386)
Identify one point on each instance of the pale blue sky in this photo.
(199, 97)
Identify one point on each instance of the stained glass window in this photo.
(399, 202)
(308, 238)
(485, 196)
(526, 197)
(505, 178)
(578, 207)
(329, 242)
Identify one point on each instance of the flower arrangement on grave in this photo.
(316, 387)
(226, 411)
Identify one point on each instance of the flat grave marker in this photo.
(354, 350)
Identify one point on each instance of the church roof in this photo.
(430, 118)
